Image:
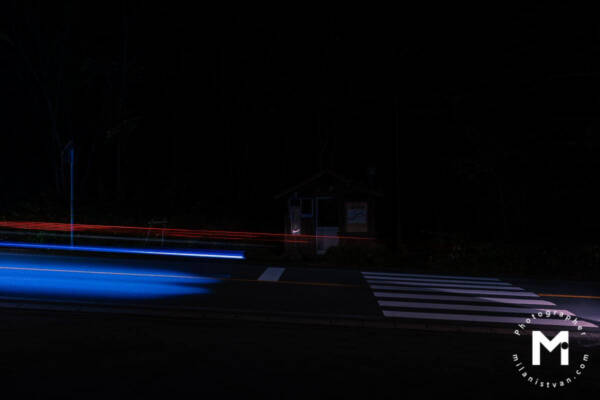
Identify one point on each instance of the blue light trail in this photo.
(65, 278)
(222, 254)
(75, 286)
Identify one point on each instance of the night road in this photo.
(241, 329)
(312, 203)
(237, 289)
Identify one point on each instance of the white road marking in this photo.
(430, 280)
(485, 299)
(463, 307)
(518, 301)
(457, 291)
(271, 274)
(401, 283)
(492, 292)
(428, 276)
(466, 299)
(482, 318)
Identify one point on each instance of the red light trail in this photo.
(173, 232)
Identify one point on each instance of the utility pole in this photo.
(72, 202)
(69, 153)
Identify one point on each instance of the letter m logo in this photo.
(538, 339)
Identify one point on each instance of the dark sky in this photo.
(202, 115)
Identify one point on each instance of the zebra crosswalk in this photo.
(460, 298)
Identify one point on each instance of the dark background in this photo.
(479, 122)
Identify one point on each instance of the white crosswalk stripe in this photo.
(458, 291)
(468, 299)
(401, 283)
(437, 306)
(428, 280)
(480, 318)
(444, 277)
(460, 298)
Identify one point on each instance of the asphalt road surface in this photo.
(91, 326)
(179, 284)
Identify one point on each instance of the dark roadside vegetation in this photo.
(98, 356)
(548, 260)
